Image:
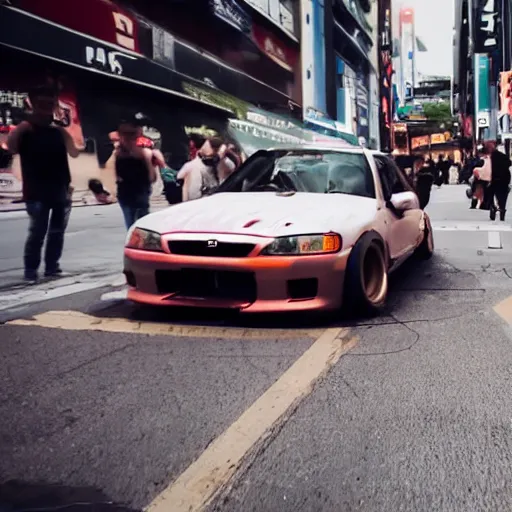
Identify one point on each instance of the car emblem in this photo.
(212, 243)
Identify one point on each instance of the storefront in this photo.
(101, 82)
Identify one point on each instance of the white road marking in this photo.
(494, 240)
(119, 295)
(55, 289)
(471, 226)
(196, 487)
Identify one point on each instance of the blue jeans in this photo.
(132, 213)
(45, 219)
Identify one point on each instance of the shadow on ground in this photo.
(17, 496)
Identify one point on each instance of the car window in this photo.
(392, 179)
(314, 171)
(387, 178)
(402, 183)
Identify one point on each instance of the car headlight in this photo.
(303, 244)
(143, 239)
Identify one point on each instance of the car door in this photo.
(403, 227)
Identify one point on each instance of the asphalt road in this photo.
(105, 404)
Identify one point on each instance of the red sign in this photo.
(273, 48)
(98, 18)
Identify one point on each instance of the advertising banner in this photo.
(487, 26)
(505, 104)
(385, 74)
(419, 142)
(482, 91)
(101, 19)
(274, 49)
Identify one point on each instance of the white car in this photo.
(294, 229)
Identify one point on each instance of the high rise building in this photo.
(482, 49)
(340, 66)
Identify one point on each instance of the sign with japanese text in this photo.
(487, 36)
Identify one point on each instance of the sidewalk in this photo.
(6, 205)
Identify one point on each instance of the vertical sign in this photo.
(385, 74)
(363, 130)
(482, 91)
(506, 103)
(487, 34)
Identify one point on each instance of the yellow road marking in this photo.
(212, 471)
(77, 321)
(504, 309)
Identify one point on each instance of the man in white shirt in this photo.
(206, 171)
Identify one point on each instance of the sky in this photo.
(434, 26)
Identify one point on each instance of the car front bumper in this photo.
(256, 284)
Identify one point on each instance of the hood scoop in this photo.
(251, 223)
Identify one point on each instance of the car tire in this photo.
(425, 250)
(366, 278)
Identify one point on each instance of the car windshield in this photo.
(321, 172)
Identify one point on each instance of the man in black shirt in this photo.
(423, 179)
(500, 180)
(43, 149)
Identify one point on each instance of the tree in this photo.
(439, 112)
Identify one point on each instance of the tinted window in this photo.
(392, 179)
(321, 172)
(387, 178)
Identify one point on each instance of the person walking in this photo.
(44, 149)
(206, 171)
(423, 179)
(500, 181)
(482, 174)
(443, 169)
(135, 172)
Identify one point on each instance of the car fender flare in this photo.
(374, 235)
(424, 223)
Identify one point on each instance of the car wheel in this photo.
(425, 250)
(366, 282)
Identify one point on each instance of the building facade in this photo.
(206, 66)
(482, 50)
(340, 40)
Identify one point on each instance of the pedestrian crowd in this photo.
(488, 174)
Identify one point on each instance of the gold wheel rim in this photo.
(375, 278)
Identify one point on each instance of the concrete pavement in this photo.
(104, 403)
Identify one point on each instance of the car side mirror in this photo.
(404, 201)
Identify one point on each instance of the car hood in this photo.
(263, 214)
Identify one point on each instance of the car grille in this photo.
(210, 248)
(207, 284)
